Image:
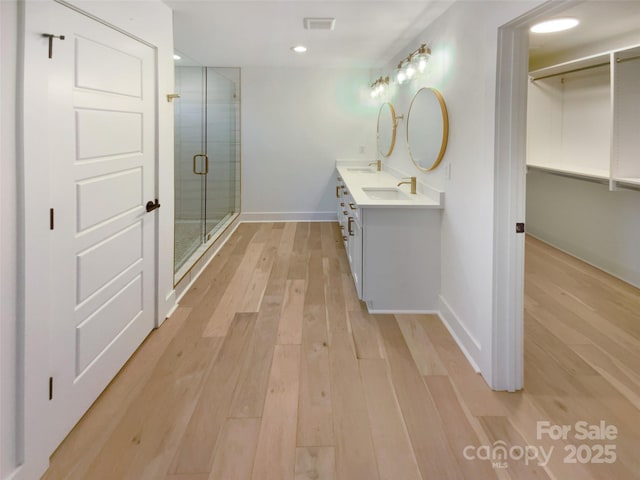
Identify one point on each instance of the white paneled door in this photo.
(101, 118)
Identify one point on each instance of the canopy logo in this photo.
(499, 453)
(563, 436)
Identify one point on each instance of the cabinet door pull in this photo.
(337, 188)
(349, 224)
(352, 205)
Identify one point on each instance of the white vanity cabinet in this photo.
(393, 251)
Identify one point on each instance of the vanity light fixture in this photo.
(378, 87)
(415, 62)
(299, 49)
(555, 25)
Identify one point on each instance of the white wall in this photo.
(8, 237)
(295, 123)
(151, 21)
(463, 67)
(586, 220)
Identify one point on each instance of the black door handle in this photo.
(151, 206)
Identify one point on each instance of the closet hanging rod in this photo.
(626, 59)
(564, 72)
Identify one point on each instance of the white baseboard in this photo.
(466, 342)
(404, 312)
(250, 217)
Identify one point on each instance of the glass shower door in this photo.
(189, 117)
(207, 159)
(222, 147)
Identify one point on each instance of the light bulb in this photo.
(409, 70)
(422, 57)
(422, 64)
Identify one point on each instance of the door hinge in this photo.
(50, 388)
(519, 227)
(51, 218)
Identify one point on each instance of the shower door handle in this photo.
(206, 164)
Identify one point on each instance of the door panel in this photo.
(102, 197)
(102, 118)
(101, 133)
(107, 68)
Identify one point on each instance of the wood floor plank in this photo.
(278, 277)
(351, 300)
(300, 253)
(500, 429)
(314, 288)
(250, 392)
(187, 476)
(329, 239)
(355, 457)
(480, 399)
(231, 302)
(143, 443)
(424, 424)
(315, 413)
(365, 334)
(315, 463)
(290, 328)
(334, 297)
(236, 449)
(258, 283)
(276, 450)
(195, 454)
(564, 356)
(624, 380)
(420, 346)
(393, 449)
(87, 439)
(459, 431)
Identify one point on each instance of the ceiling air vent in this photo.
(319, 23)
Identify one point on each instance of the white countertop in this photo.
(361, 179)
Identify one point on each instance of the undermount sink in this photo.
(381, 193)
(361, 169)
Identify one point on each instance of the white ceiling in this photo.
(367, 33)
(245, 33)
(600, 21)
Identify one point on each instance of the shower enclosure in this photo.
(207, 159)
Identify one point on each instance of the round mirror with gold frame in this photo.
(427, 129)
(387, 125)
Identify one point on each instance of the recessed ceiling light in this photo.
(176, 56)
(555, 25)
(299, 49)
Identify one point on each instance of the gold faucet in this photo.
(378, 164)
(412, 182)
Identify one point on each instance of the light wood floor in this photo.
(271, 369)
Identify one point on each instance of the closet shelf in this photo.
(580, 171)
(629, 180)
(571, 66)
